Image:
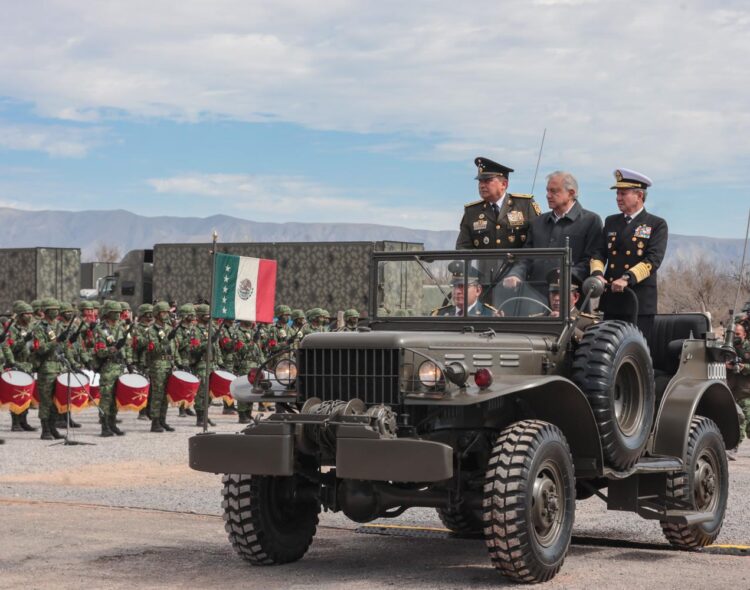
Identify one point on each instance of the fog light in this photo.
(286, 372)
(483, 378)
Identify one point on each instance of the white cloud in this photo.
(54, 140)
(613, 81)
(265, 198)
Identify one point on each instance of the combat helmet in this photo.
(145, 308)
(186, 309)
(124, 306)
(351, 313)
(313, 314)
(85, 305)
(20, 307)
(202, 309)
(282, 310)
(297, 314)
(36, 305)
(111, 307)
(49, 303)
(66, 307)
(161, 306)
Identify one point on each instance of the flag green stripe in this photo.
(225, 285)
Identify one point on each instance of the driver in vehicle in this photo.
(469, 299)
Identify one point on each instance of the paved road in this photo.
(128, 512)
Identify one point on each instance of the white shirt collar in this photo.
(559, 217)
(636, 214)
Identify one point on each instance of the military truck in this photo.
(499, 421)
(131, 280)
(34, 273)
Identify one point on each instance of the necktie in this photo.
(628, 219)
(495, 209)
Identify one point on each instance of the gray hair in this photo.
(569, 181)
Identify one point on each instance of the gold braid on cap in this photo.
(641, 271)
(596, 266)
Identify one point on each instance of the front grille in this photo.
(370, 374)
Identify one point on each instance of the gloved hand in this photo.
(72, 338)
(131, 369)
(28, 336)
(120, 343)
(64, 335)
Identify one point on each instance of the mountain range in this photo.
(88, 230)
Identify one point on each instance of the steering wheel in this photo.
(520, 298)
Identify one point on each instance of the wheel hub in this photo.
(705, 484)
(545, 499)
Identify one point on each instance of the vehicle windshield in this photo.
(509, 285)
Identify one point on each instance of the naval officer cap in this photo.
(625, 178)
(486, 168)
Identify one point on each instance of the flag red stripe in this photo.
(264, 302)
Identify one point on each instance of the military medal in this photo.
(511, 238)
(481, 216)
(480, 225)
(486, 240)
(640, 252)
(643, 231)
(515, 217)
(641, 245)
(476, 243)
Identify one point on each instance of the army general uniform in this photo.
(504, 224)
(631, 248)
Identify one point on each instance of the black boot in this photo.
(156, 425)
(203, 416)
(106, 432)
(183, 412)
(164, 425)
(16, 427)
(143, 414)
(73, 423)
(46, 434)
(23, 421)
(113, 425)
(189, 412)
(53, 429)
(244, 417)
(229, 409)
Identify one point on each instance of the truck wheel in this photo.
(461, 520)
(529, 501)
(612, 365)
(704, 485)
(266, 522)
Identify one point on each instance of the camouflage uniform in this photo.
(183, 342)
(159, 359)
(17, 355)
(44, 349)
(248, 355)
(351, 321)
(198, 361)
(139, 343)
(315, 321)
(113, 351)
(740, 385)
(279, 331)
(297, 329)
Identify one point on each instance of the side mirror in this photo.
(592, 287)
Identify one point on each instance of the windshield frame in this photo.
(542, 324)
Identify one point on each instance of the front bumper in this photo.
(268, 449)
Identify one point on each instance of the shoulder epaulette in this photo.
(474, 203)
(521, 196)
(437, 309)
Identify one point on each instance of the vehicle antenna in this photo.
(730, 326)
(539, 159)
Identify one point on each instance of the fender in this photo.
(683, 400)
(551, 398)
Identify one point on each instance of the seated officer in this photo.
(470, 299)
(553, 278)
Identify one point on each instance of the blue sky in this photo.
(372, 112)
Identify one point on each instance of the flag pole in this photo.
(210, 346)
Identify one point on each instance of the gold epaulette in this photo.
(521, 196)
(474, 203)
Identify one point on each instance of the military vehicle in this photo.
(499, 421)
(35, 273)
(310, 274)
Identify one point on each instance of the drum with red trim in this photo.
(219, 383)
(79, 392)
(94, 390)
(182, 388)
(16, 389)
(131, 392)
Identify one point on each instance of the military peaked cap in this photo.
(630, 179)
(486, 168)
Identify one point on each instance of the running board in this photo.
(647, 465)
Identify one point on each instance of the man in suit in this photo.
(566, 220)
(466, 299)
(630, 250)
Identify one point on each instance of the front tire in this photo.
(267, 521)
(461, 520)
(704, 485)
(529, 501)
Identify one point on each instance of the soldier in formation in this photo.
(159, 358)
(248, 356)
(183, 342)
(17, 354)
(45, 351)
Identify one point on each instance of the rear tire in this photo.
(704, 485)
(461, 520)
(529, 501)
(266, 522)
(612, 365)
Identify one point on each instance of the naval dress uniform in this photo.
(631, 248)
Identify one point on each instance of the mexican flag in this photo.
(244, 288)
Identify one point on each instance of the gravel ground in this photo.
(146, 470)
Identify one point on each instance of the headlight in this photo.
(430, 374)
(286, 372)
